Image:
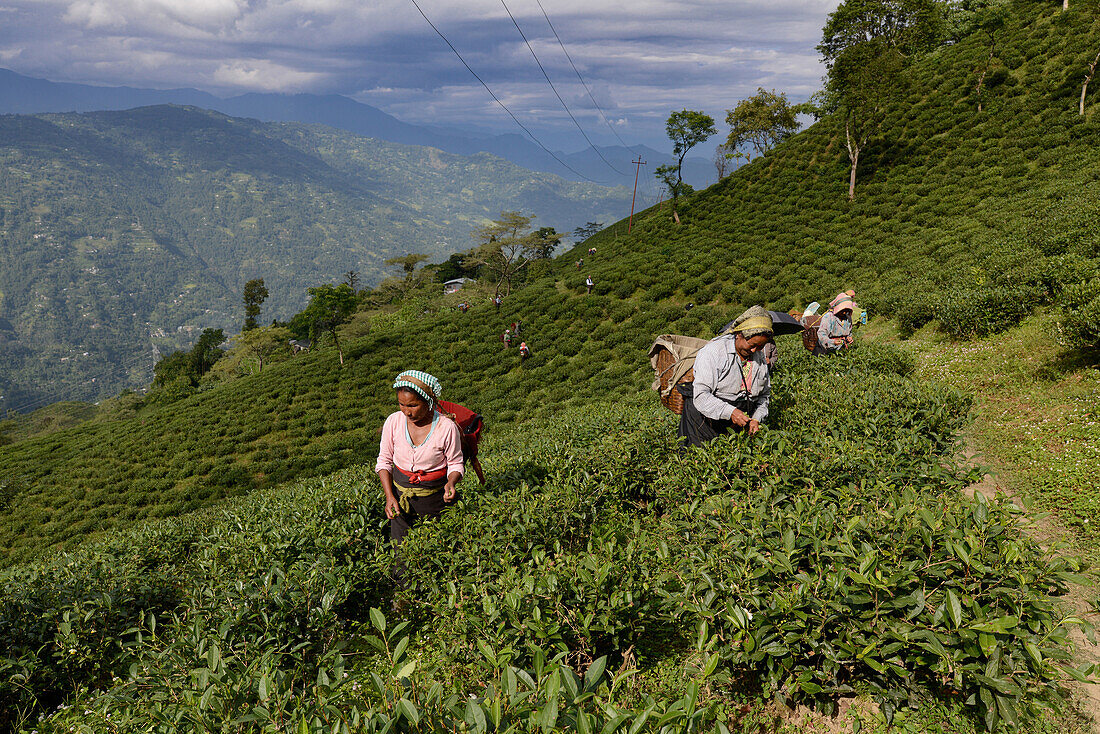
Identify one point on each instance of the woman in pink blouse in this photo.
(419, 456)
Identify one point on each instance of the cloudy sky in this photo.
(640, 59)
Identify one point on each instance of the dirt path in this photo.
(1050, 535)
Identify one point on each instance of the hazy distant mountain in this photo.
(27, 95)
(123, 234)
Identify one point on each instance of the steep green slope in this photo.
(832, 554)
(851, 563)
(959, 215)
(126, 232)
(952, 205)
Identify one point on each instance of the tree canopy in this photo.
(761, 122)
(329, 307)
(507, 246)
(254, 294)
(686, 129)
(867, 46)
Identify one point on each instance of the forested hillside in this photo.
(603, 579)
(125, 232)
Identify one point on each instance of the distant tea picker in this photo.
(831, 332)
(720, 384)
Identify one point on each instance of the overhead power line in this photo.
(556, 94)
(77, 392)
(497, 99)
(590, 95)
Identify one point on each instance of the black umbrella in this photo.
(784, 323)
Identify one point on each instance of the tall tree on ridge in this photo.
(408, 262)
(761, 121)
(255, 293)
(507, 246)
(262, 342)
(330, 306)
(867, 46)
(686, 129)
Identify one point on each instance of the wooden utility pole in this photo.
(637, 167)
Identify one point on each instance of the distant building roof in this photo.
(457, 281)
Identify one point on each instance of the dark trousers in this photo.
(421, 509)
(695, 428)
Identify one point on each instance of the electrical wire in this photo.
(75, 392)
(497, 99)
(579, 77)
(556, 94)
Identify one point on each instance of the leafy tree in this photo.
(669, 176)
(867, 45)
(587, 230)
(173, 366)
(329, 307)
(254, 294)
(454, 267)
(910, 26)
(408, 263)
(206, 352)
(988, 17)
(686, 129)
(761, 122)
(546, 239)
(263, 342)
(507, 246)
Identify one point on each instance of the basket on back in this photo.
(673, 359)
(809, 333)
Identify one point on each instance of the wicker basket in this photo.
(674, 401)
(809, 332)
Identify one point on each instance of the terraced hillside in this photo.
(128, 232)
(967, 226)
(603, 578)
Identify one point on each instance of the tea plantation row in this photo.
(602, 580)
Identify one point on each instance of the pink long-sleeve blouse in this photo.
(441, 449)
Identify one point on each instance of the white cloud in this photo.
(94, 14)
(168, 16)
(257, 74)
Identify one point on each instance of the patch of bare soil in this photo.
(848, 709)
(1054, 537)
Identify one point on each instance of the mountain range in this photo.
(27, 95)
(124, 234)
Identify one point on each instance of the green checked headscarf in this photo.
(421, 383)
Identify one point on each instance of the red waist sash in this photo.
(420, 479)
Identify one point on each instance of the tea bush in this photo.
(832, 552)
(803, 559)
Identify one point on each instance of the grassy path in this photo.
(1036, 434)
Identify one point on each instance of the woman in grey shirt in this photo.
(732, 386)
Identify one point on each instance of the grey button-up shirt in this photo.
(832, 331)
(720, 382)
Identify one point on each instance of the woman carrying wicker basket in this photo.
(732, 386)
(834, 333)
(419, 456)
